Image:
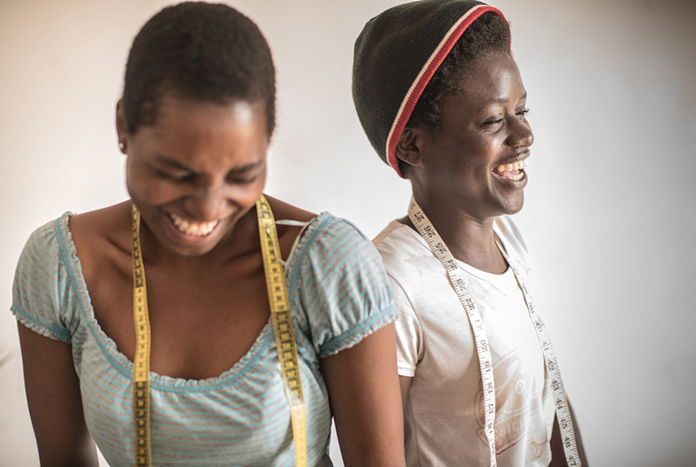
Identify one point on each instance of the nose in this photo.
(206, 202)
(520, 133)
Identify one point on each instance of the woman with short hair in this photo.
(146, 326)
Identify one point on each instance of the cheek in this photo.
(485, 155)
(151, 191)
(255, 188)
(147, 188)
(470, 150)
(246, 195)
(466, 162)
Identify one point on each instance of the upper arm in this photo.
(45, 310)
(348, 305)
(364, 395)
(339, 283)
(409, 340)
(557, 453)
(405, 383)
(55, 405)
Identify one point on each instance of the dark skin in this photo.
(558, 459)
(55, 405)
(453, 169)
(459, 172)
(205, 163)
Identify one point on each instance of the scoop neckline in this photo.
(159, 381)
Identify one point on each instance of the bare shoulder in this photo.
(101, 234)
(101, 224)
(287, 234)
(283, 210)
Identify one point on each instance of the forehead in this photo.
(173, 109)
(202, 135)
(489, 79)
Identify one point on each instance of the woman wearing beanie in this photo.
(441, 100)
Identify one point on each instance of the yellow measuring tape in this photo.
(141, 362)
(282, 328)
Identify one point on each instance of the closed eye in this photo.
(178, 176)
(493, 121)
(242, 180)
(522, 112)
(247, 174)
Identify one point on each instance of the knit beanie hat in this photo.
(396, 54)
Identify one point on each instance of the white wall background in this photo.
(609, 205)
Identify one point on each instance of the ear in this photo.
(121, 127)
(408, 147)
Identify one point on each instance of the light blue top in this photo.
(338, 294)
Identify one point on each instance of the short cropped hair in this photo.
(202, 51)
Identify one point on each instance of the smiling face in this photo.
(476, 158)
(197, 170)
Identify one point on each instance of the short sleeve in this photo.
(41, 283)
(409, 341)
(341, 285)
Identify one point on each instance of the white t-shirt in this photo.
(444, 415)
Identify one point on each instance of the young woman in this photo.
(441, 100)
(184, 254)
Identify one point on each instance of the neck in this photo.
(471, 240)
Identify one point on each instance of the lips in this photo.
(512, 171)
(195, 229)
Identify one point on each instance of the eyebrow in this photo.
(504, 101)
(172, 164)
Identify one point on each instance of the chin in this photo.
(516, 209)
(192, 250)
(511, 208)
(192, 247)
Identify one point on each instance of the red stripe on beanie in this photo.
(424, 77)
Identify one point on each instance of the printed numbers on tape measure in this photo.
(141, 362)
(283, 328)
(440, 250)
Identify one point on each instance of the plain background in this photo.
(608, 211)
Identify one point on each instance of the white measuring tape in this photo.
(440, 250)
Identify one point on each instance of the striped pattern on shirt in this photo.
(338, 294)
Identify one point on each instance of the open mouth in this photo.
(513, 172)
(196, 229)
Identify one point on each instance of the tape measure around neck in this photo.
(565, 422)
(141, 362)
(440, 250)
(282, 328)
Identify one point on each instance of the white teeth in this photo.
(197, 229)
(519, 165)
